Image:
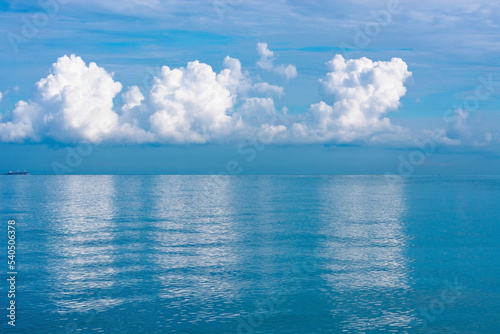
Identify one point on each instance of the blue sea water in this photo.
(252, 254)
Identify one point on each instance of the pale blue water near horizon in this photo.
(253, 254)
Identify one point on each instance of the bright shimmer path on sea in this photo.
(253, 254)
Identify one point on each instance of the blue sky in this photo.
(430, 77)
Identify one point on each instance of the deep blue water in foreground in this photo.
(252, 254)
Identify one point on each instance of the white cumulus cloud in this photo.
(192, 103)
(75, 102)
(460, 131)
(256, 111)
(266, 62)
(195, 104)
(132, 98)
(364, 92)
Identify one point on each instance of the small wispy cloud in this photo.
(267, 59)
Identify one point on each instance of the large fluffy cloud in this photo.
(192, 103)
(75, 102)
(195, 104)
(364, 92)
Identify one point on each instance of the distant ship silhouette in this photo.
(17, 173)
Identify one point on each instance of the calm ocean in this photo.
(252, 254)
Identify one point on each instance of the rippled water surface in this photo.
(253, 254)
